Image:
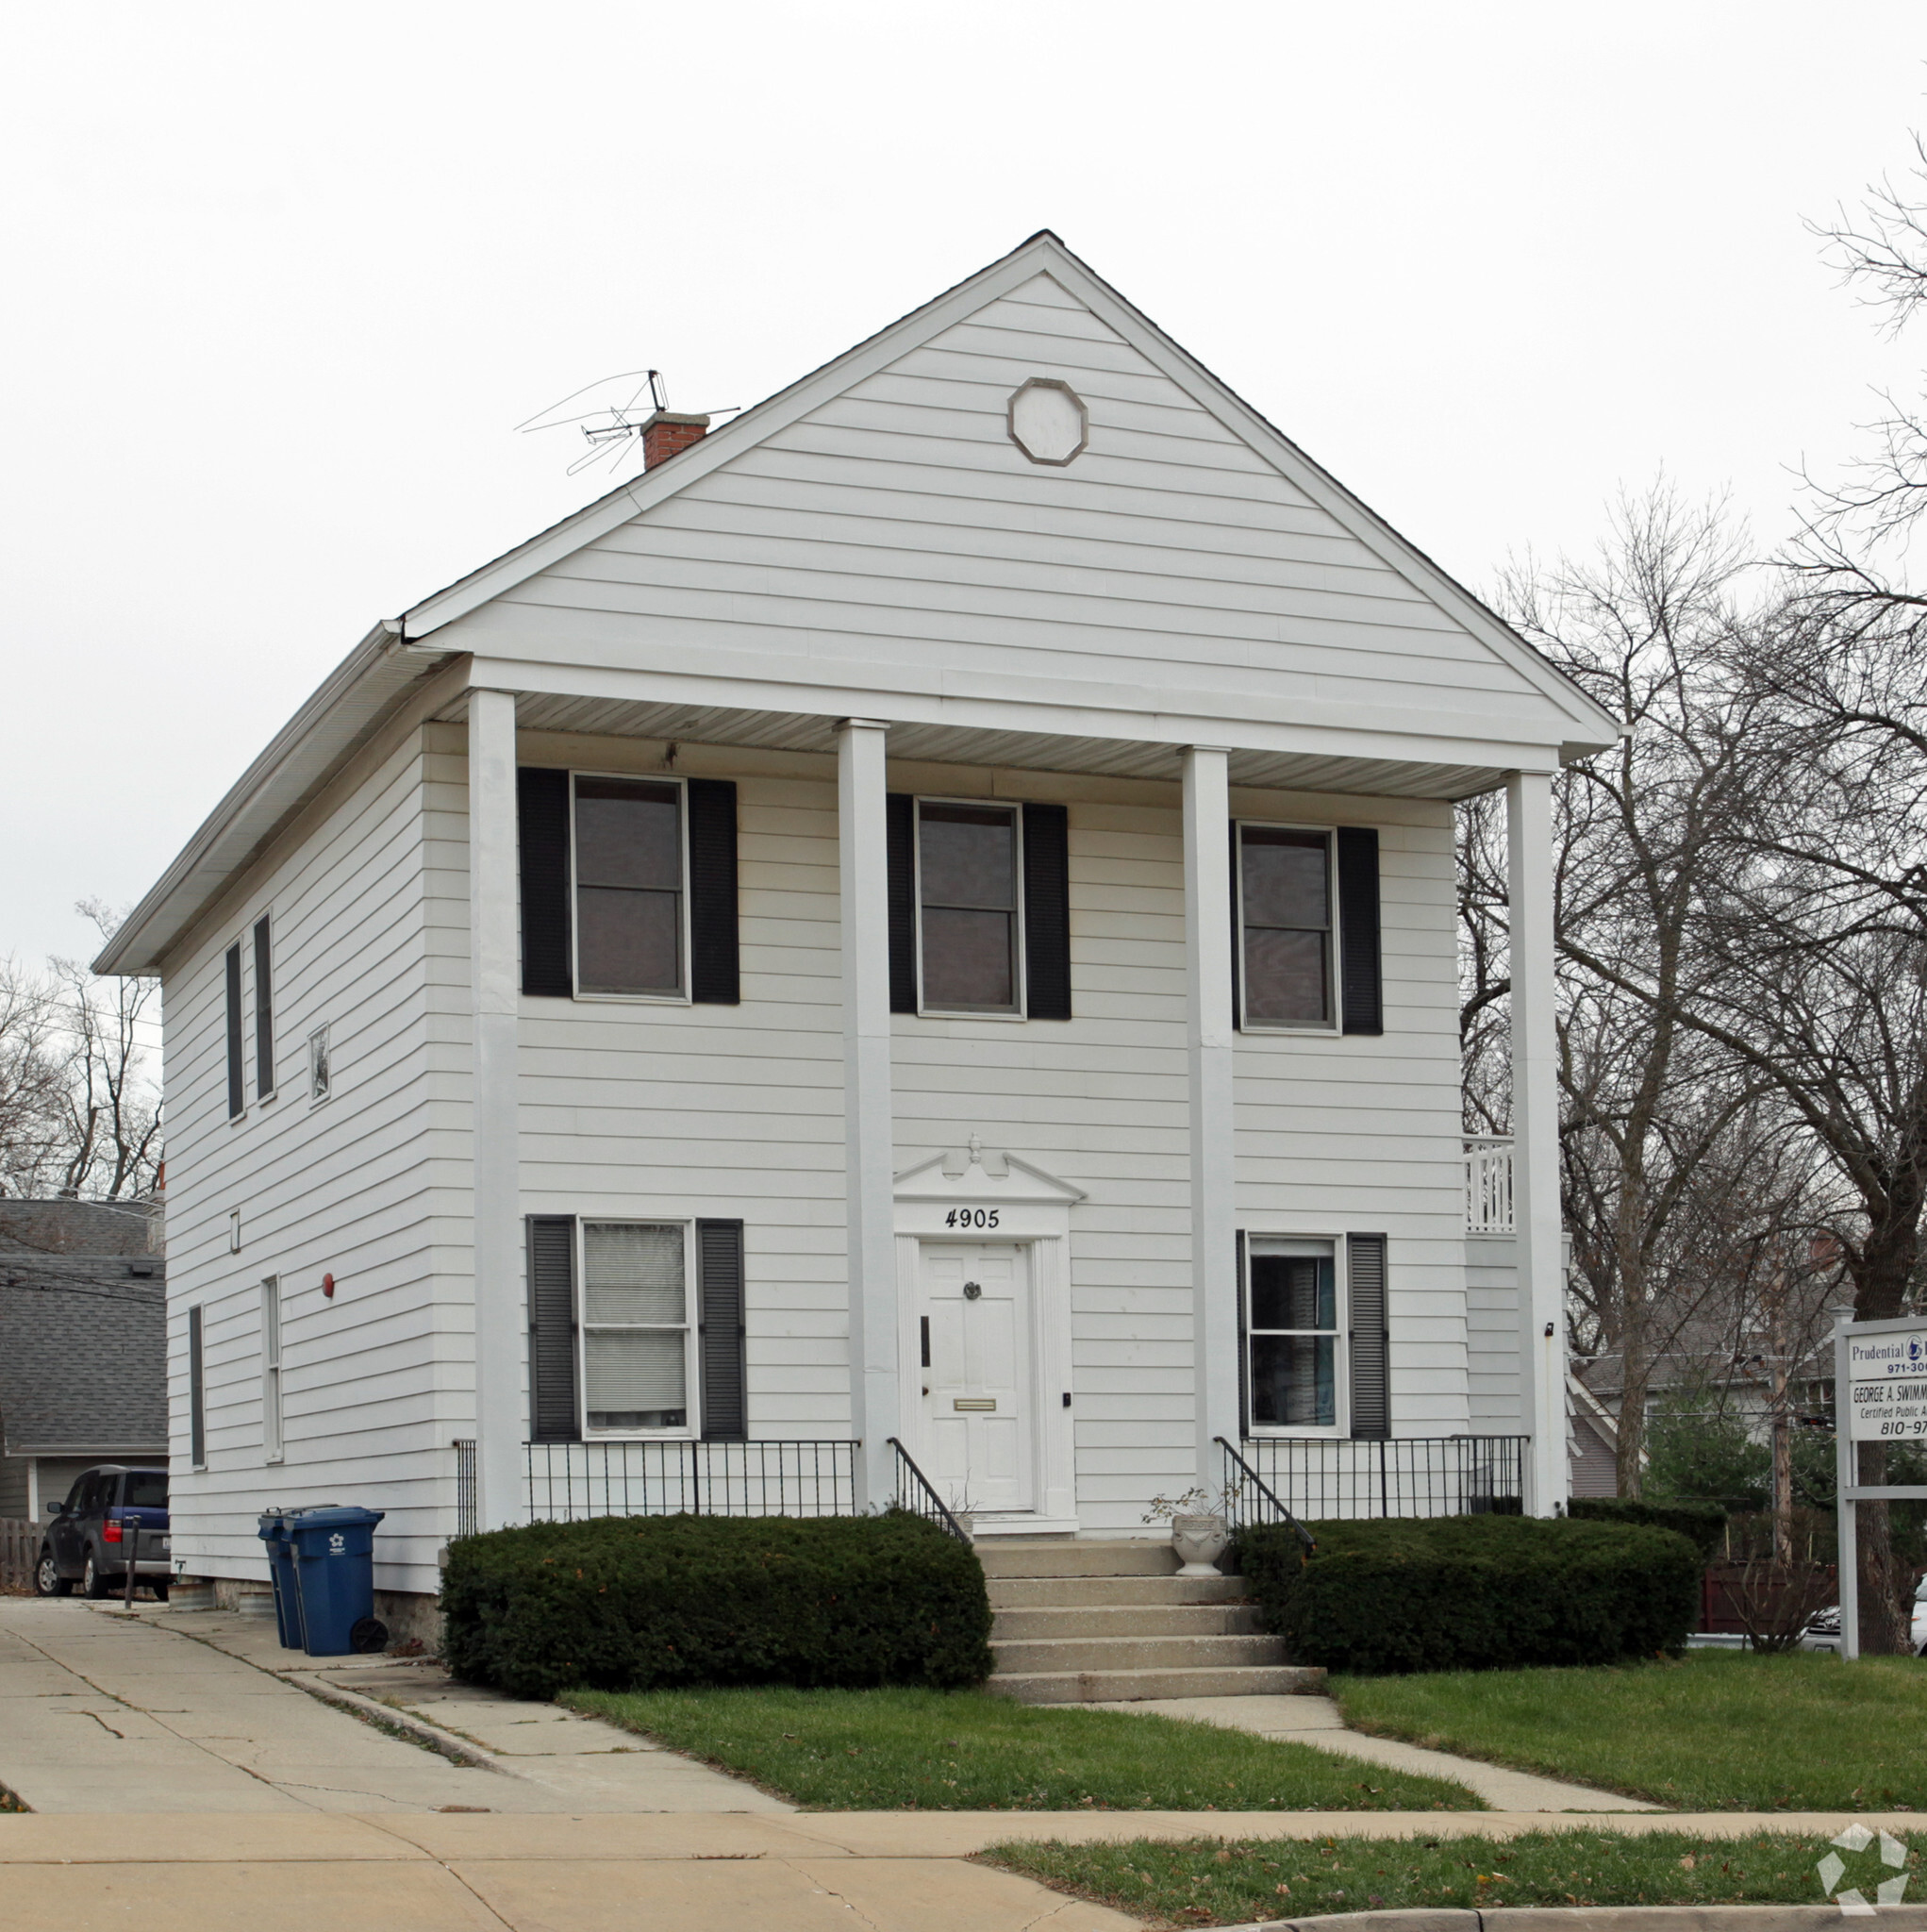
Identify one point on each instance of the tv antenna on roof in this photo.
(610, 429)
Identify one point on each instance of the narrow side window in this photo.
(628, 887)
(264, 1012)
(1293, 1330)
(237, 1080)
(197, 1402)
(271, 1369)
(636, 1328)
(967, 872)
(320, 1073)
(1285, 894)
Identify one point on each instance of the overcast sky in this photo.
(281, 280)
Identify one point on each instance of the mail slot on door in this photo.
(974, 1402)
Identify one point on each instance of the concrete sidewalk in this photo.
(100, 1711)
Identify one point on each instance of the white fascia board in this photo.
(1593, 727)
(1313, 728)
(301, 756)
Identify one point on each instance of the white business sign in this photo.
(1887, 1378)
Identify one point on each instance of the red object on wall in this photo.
(328, 1285)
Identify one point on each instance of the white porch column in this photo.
(1214, 1200)
(501, 1317)
(1536, 1140)
(869, 1143)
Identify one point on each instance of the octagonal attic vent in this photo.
(1048, 422)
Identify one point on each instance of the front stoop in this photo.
(1098, 1623)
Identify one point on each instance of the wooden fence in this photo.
(19, 1543)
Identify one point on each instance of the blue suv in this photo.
(113, 1516)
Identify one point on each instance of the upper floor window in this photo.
(264, 1011)
(237, 1064)
(1284, 917)
(630, 867)
(636, 1329)
(1292, 1311)
(966, 874)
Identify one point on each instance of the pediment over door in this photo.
(980, 1177)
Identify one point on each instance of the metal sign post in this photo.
(1880, 1395)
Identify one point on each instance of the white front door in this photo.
(974, 1341)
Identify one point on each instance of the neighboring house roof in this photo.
(83, 1330)
(1551, 714)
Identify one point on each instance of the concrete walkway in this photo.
(100, 1711)
(1319, 1722)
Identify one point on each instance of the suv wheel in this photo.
(91, 1582)
(47, 1580)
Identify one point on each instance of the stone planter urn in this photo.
(1199, 1540)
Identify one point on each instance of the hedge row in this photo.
(641, 1602)
(1473, 1592)
(1701, 1523)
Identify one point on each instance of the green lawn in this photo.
(1216, 1882)
(1718, 1731)
(961, 1751)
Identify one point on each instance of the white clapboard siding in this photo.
(367, 1186)
(1492, 1332)
(897, 519)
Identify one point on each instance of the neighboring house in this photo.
(926, 917)
(1594, 1453)
(83, 1344)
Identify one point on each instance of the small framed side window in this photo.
(320, 1068)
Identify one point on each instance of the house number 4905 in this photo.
(970, 1217)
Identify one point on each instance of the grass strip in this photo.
(1225, 1882)
(962, 1751)
(1715, 1731)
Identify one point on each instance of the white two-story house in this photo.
(913, 938)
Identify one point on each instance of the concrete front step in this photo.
(1126, 1619)
(1030, 1656)
(1106, 1687)
(1047, 1592)
(1142, 1557)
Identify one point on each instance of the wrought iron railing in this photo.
(571, 1481)
(466, 1520)
(1319, 1477)
(1249, 1501)
(914, 1493)
(1488, 1184)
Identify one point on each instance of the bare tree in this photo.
(33, 1078)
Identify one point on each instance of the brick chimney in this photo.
(666, 434)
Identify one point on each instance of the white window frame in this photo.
(682, 820)
(1333, 990)
(689, 1432)
(1018, 974)
(274, 1439)
(1340, 1426)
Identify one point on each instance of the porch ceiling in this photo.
(973, 745)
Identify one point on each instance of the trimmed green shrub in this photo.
(1473, 1592)
(641, 1603)
(1700, 1524)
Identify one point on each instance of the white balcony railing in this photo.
(1488, 1184)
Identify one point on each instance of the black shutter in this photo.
(553, 1415)
(1370, 1338)
(899, 825)
(264, 1011)
(541, 803)
(237, 1095)
(1244, 1351)
(715, 966)
(721, 1331)
(1361, 979)
(1236, 936)
(197, 1401)
(1047, 911)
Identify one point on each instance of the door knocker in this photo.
(972, 1290)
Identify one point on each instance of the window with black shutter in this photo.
(548, 946)
(1370, 1340)
(1284, 952)
(197, 1393)
(1361, 971)
(1291, 1332)
(264, 1012)
(236, 1068)
(715, 970)
(722, 1339)
(1047, 911)
(553, 1416)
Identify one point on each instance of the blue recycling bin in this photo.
(334, 1571)
(274, 1533)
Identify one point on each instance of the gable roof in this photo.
(1494, 667)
